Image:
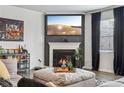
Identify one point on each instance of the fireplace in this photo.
(63, 47)
(60, 56)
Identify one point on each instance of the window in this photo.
(106, 34)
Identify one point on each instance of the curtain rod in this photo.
(104, 9)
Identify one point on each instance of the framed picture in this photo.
(64, 25)
(11, 30)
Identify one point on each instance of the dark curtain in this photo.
(119, 41)
(96, 17)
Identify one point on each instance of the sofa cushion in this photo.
(11, 64)
(3, 71)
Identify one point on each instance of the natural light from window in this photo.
(106, 35)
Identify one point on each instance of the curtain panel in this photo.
(96, 17)
(119, 41)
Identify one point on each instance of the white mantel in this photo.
(60, 45)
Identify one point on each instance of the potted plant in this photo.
(78, 57)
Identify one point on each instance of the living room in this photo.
(48, 51)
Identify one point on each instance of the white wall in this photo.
(34, 36)
(88, 49)
(33, 31)
(106, 58)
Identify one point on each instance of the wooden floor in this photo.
(103, 76)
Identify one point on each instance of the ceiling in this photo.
(63, 8)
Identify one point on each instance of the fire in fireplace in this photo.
(62, 62)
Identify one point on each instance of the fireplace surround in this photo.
(67, 47)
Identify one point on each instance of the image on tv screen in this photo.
(64, 25)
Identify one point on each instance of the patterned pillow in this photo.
(4, 72)
(5, 83)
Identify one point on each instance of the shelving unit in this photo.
(24, 62)
(23, 58)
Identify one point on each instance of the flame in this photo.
(62, 61)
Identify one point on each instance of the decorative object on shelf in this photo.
(22, 49)
(11, 30)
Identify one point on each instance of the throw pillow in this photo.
(11, 64)
(3, 71)
(5, 83)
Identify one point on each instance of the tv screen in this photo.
(64, 25)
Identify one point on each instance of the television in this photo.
(63, 25)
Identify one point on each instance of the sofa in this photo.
(115, 83)
(11, 65)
